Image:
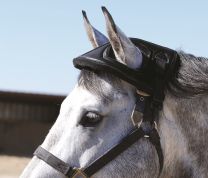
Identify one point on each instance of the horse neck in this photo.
(183, 128)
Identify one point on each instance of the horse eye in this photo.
(90, 119)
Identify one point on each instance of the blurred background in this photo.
(40, 38)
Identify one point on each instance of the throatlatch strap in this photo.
(155, 140)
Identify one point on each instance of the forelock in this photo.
(96, 83)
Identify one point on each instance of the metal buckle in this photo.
(79, 174)
(142, 93)
(136, 117)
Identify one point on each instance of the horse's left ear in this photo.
(125, 51)
(95, 37)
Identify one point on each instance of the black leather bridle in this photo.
(159, 66)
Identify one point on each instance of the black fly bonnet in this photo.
(158, 67)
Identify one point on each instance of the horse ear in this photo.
(125, 51)
(96, 37)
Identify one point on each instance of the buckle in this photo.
(79, 174)
(136, 117)
(138, 111)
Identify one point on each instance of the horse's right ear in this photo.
(96, 37)
(125, 51)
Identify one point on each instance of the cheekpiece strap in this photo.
(144, 117)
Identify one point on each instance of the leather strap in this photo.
(99, 163)
(65, 168)
(54, 161)
(122, 146)
(155, 140)
(111, 154)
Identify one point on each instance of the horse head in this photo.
(97, 115)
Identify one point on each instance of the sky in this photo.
(40, 38)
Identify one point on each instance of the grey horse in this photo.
(105, 102)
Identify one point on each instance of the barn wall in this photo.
(25, 120)
(21, 138)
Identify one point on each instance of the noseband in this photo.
(159, 66)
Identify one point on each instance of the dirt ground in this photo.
(12, 166)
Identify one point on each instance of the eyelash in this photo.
(90, 119)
